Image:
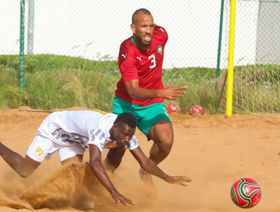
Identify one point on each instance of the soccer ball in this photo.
(245, 193)
(197, 110)
(173, 107)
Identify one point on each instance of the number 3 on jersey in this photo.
(152, 58)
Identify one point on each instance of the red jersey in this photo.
(146, 66)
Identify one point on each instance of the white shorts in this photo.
(42, 148)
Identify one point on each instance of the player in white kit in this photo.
(69, 132)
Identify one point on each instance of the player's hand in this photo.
(171, 93)
(180, 180)
(120, 199)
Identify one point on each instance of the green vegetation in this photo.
(62, 82)
(58, 82)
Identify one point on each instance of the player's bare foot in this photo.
(146, 177)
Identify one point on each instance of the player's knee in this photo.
(165, 151)
(164, 140)
(165, 147)
(168, 143)
(159, 155)
(165, 144)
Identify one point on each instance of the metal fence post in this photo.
(30, 30)
(21, 47)
(220, 38)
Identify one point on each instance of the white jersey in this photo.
(81, 126)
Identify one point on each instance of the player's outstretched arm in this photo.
(148, 165)
(137, 92)
(99, 171)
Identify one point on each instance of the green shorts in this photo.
(146, 116)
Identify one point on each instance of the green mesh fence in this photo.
(257, 61)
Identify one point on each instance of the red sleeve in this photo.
(127, 62)
(161, 34)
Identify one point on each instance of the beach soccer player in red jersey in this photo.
(140, 90)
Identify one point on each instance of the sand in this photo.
(213, 150)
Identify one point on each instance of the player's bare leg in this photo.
(114, 158)
(162, 135)
(23, 166)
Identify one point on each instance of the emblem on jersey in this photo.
(39, 151)
(159, 49)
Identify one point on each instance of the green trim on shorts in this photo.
(146, 116)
